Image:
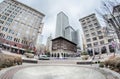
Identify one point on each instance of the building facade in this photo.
(62, 47)
(20, 24)
(62, 23)
(95, 41)
(49, 44)
(69, 33)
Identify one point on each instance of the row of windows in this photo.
(17, 8)
(88, 18)
(96, 43)
(94, 39)
(10, 38)
(92, 29)
(91, 25)
(94, 34)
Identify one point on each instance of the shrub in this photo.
(101, 65)
(9, 60)
(84, 53)
(99, 62)
(118, 64)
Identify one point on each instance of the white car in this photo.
(43, 57)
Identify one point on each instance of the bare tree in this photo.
(29, 41)
(107, 9)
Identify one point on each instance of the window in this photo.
(110, 40)
(87, 35)
(93, 34)
(95, 44)
(98, 27)
(7, 24)
(9, 38)
(99, 32)
(88, 21)
(90, 25)
(10, 20)
(83, 23)
(100, 37)
(9, 11)
(1, 22)
(89, 45)
(92, 29)
(87, 18)
(94, 20)
(86, 31)
(95, 38)
(14, 13)
(92, 17)
(12, 16)
(95, 24)
(88, 40)
(4, 29)
(6, 14)
(101, 42)
(11, 31)
(85, 27)
(82, 20)
(4, 17)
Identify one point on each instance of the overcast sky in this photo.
(74, 9)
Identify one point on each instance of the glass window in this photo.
(4, 29)
(92, 29)
(11, 31)
(110, 40)
(89, 45)
(85, 27)
(90, 25)
(4, 17)
(93, 34)
(95, 44)
(86, 31)
(6, 14)
(10, 20)
(12, 16)
(1, 22)
(87, 35)
(95, 38)
(95, 24)
(100, 37)
(99, 32)
(88, 40)
(9, 38)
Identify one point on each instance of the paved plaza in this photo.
(55, 72)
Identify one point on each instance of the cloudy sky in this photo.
(74, 9)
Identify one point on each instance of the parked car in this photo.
(43, 57)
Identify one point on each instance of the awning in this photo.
(6, 44)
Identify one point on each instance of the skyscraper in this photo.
(69, 33)
(62, 22)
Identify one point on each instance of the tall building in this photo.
(69, 33)
(94, 35)
(62, 23)
(20, 25)
(49, 44)
(66, 32)
(39, 42)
